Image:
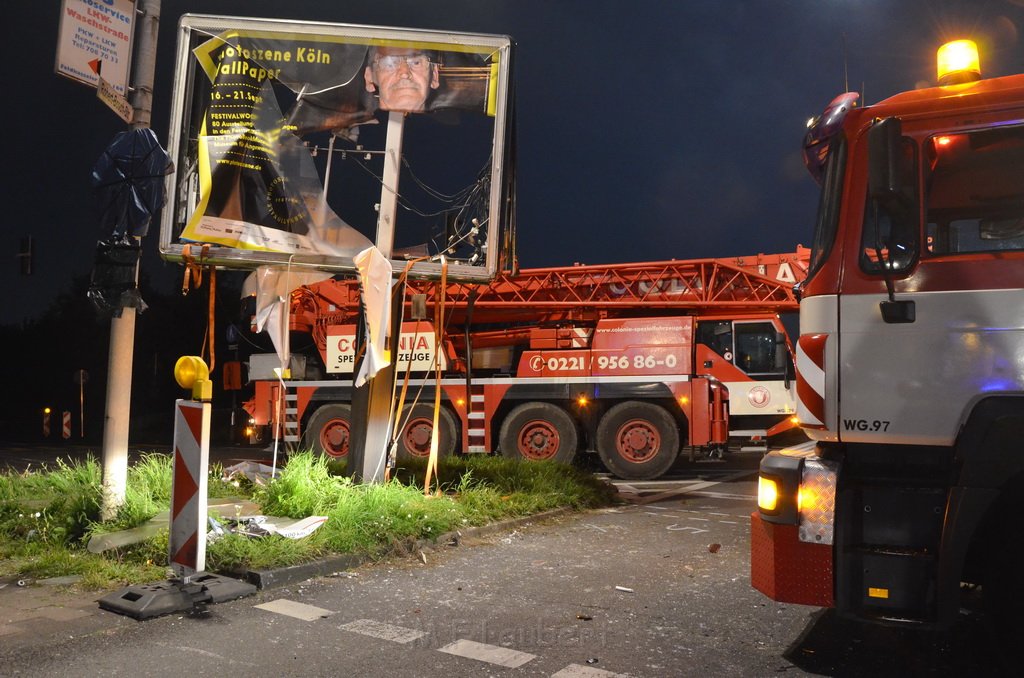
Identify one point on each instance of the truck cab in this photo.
(910, 361)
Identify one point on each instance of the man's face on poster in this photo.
(402, 76)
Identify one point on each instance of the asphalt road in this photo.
(652, 589)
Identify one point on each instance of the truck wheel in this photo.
(538, 432)
(417, 423)
(1002, 589)
(327, 431)
(637, 441)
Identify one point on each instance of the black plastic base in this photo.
(153, 600)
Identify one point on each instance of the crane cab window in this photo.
(974, 191)
(752, 346)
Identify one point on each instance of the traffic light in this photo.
(25, 254)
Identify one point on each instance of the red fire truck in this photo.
(633, 360)
(910, 361)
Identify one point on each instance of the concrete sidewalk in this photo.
(34, 613)
(37, 611)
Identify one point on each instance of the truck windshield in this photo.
(828, 204)
(974, 191)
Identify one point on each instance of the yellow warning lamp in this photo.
(767, 494)
(192, 373)
(47, 410)
(958, 62)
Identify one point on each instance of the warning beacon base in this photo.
(153, 600)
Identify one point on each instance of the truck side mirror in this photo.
(885, 159)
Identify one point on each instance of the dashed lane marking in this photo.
(580, 671)
(290, 608)
(492, 654)
(636, 494)
(376, 629)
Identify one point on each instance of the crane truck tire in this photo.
(327, 432)
(539, 432)
(417, 423)
(637, 440)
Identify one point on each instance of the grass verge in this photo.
(47, 517)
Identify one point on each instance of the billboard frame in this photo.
(500, 198)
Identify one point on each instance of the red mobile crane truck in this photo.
(629, 359)
(910, 362)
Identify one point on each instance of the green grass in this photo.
(48, 516)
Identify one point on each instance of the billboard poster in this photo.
(280, 135)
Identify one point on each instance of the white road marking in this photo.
(376, 629)
(676, 527)
(726, 495)
(580, 671)
(290, 608)
(207, 653)
(492, 654)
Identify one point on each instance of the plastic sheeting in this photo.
(375, 285)
(128, 180)
(272, 287)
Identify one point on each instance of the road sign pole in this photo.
(122, 328)
(81, 402)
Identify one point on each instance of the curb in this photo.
(293, 574)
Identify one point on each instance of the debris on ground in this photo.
(253, 471)
(262, 526)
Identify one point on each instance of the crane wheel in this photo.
(637, 440)
(417, 423)
(539, 432)
(328, 431)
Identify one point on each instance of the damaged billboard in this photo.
(291, 139)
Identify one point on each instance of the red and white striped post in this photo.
(187, 547)
(188, 487)
(66, 424)
(46, 422)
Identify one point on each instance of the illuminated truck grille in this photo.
(817, 501)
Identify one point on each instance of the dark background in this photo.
(646, 131)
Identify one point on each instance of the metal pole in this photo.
(372, 402)
(122, 329)
(81, 403)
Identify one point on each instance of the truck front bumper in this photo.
(786, 569)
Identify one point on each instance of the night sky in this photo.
(647, 130)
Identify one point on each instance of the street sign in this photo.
(95, 37)
(117, 103)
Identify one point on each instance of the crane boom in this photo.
(760, 283)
